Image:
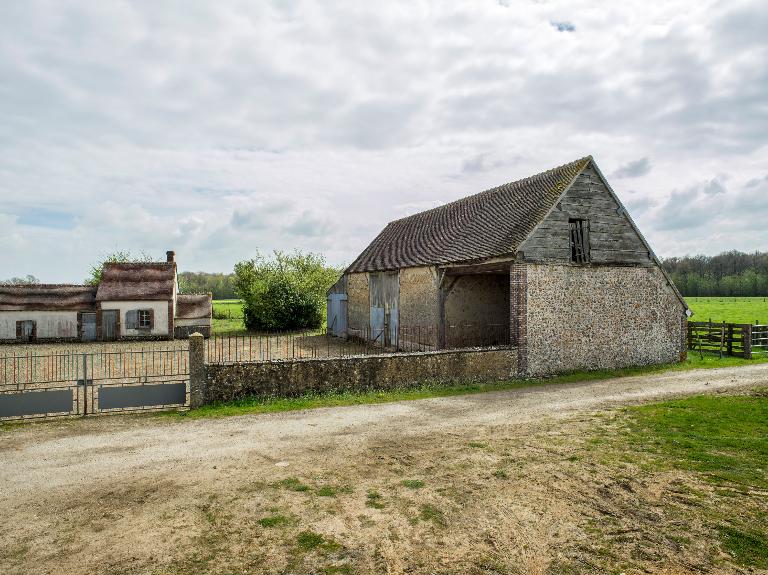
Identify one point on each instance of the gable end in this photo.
(613, 239)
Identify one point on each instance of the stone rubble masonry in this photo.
(227, 382)
(684, 338)
(418, 304)
(358, 310)
(478, 300)
(518, 313)
(598, 317)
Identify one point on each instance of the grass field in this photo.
(716, 448)
(228, 316)
(729, 309)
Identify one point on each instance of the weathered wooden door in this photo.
(89, 327)
(26, 330)
(384, 299)
(109, 331)
(337, 314)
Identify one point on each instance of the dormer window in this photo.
(579, 230)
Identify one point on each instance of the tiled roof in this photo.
(491, 223)
(47, 297)
(137, 281)
(193, 306)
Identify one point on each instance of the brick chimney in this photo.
(170, 256)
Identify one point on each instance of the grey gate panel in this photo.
(89, 327)
(109, 325)
(35, 403)
(130, 396)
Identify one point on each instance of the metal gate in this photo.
(38, 386)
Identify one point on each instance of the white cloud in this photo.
(216, 129)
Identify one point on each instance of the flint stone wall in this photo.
(227, 382)
(602, 317)
(358, 309)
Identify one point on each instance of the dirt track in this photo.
(141, 495)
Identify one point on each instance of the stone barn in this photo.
(551, 265)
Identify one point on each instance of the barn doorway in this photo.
(475, 308)
(384, 302)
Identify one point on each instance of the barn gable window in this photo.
(579, 230)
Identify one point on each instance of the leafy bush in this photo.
(286, 292)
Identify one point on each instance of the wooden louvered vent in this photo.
(579, 241)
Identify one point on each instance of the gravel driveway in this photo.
(129, 489)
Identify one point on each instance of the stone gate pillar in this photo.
(196, 370)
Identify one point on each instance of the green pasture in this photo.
(729, 309)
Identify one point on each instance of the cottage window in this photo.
(144, 319)
(579, 230)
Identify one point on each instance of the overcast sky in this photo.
(219, 128)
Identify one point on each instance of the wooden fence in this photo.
(739, 339)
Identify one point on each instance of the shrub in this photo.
(287, 292)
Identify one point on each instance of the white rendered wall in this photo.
(161, 316)
(50, 324)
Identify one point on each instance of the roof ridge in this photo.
(488, 191)
(490, 223)
(139, 263)
(46, 286)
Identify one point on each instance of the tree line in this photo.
(732, 273)
(222, 286)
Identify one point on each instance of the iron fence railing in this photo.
(315, 344)
(31, 369)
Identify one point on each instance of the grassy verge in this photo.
(431, 389)
(720, 445)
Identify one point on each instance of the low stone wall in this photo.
(227, 382)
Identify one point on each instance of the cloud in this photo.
(309, 225)
(45, 218)
(707, 214)
(219, 128)
(564, 26)
(482, 163)
(633, 169)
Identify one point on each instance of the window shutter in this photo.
(18, 330)
(151, 319)
(132, 319)
(34, 330)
